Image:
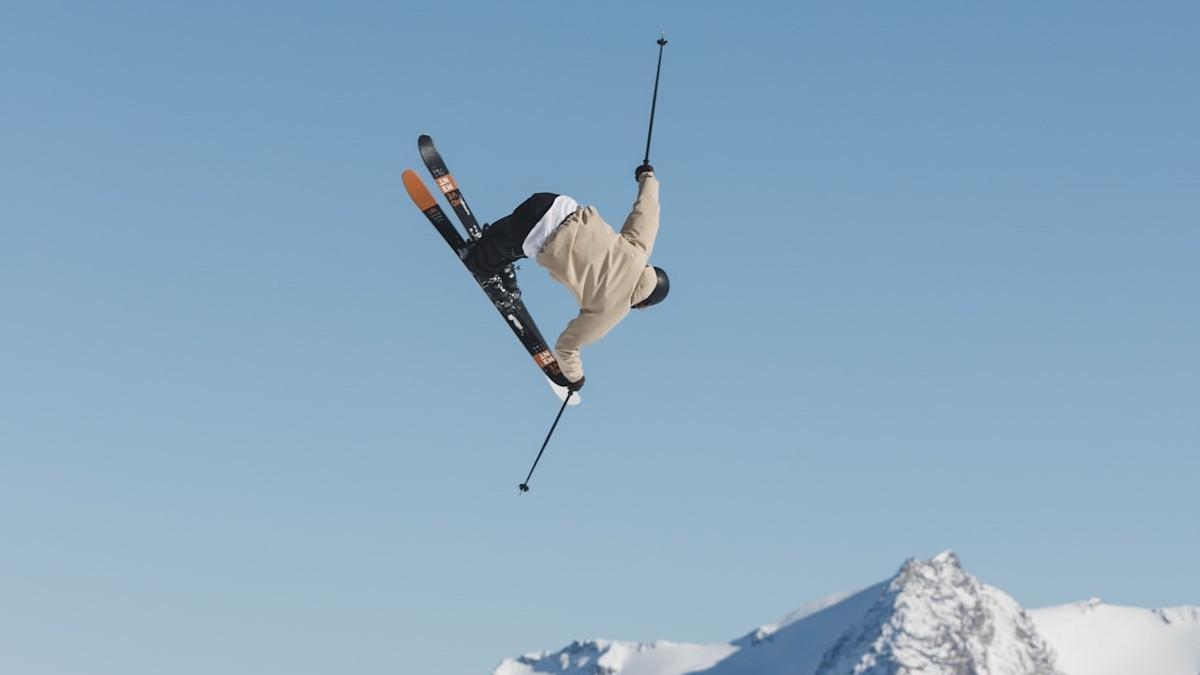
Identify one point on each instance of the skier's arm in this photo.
(641, 227)
(583, 330)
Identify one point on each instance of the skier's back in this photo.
(607, 271)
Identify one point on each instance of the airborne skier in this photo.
(605, 270)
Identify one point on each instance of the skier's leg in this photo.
(495, 250)
(500, 244)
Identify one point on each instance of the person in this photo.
(608, 272)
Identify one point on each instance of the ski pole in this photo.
(525, 485)
(662, 42)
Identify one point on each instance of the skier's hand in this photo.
(577, 385)
(642, 168)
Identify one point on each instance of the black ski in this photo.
(446, 183)
(502, 290)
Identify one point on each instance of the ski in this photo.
(500, 289)
(446, 183)
(450, 190)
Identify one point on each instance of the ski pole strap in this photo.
(524, 487)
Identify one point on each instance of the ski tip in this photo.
(424, 141)
(417, 190)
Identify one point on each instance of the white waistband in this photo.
(562, 207)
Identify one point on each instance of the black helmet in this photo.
(662, 286)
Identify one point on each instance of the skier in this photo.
(606, 271)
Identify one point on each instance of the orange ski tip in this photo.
(417, 190)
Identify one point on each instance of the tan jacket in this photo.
(605, 270)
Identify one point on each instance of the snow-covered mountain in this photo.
(931, 618)
(1092, 638)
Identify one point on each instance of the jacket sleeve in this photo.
(641, 227)
(583, 330)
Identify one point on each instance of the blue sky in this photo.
(934, 286)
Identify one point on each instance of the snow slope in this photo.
(799, 638)
(931, 618)
(1092, 638)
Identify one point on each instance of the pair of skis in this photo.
(501, 289)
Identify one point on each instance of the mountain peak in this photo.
(944, 569)
(935, 618)
(946, 557)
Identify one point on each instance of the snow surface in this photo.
(1093, 638)
(603, 657)
(931, 618)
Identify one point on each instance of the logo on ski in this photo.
(515, 322)
(450, 189)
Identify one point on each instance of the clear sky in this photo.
(935, 286)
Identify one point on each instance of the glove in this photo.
(642, 168)
(562, 381)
